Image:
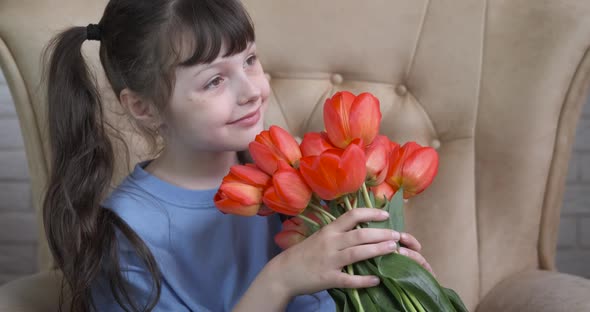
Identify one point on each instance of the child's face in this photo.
(218, 106)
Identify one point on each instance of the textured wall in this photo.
(18, 239)
(573, 248)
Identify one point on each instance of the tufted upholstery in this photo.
(495, 86)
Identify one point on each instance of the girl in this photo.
(187, 74)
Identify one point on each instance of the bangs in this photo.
(206, 25)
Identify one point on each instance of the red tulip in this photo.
(335, 172)
(348, 117)
(315, 143)
(287, 239)
(249, 174)
(412, 167)
(273, 145)
(294, 231)
(396, 162)
(377, 154)
(241, 191)
(288, 194)
(419, 171)
(383, 193)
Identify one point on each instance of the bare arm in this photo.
(266, 293)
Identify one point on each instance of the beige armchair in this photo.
(495, 86)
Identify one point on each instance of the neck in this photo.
(197, 171)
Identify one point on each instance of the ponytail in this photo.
(81, 233)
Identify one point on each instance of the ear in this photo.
(139, 108)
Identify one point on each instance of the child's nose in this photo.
(249, 91)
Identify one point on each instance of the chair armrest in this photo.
(33, 293)
(539, 291)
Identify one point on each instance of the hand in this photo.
(412, 250)
(316, 263)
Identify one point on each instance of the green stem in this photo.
(366, 196)
(355, 292)
(347, 203)
(310, 221)
(406, 300)
(321, 217)
(322, 211)
(417, 303)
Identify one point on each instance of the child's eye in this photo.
(214, 83)
(251, 60)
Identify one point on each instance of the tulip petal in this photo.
(291, 188)
(286, 144)
(242, 193)
(377, 154)
(263, 156)
(396, 162)
(272, 200)
(419, 171)
(315, 143)
(353, 166)
(317, 173)
(287, 239)
(250, 175)
(271, 146)
(229, 206)
(335, 172)
(383, 193)
(365, 118)
(336, 118)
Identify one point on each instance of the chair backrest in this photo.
(495, 86)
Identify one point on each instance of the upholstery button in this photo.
(336, 79)
(435, 144)
(268, 77)
(401, 90)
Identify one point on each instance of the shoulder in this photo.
(145, 214)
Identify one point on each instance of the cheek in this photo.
(264, 92)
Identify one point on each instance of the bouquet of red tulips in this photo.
(348, 166)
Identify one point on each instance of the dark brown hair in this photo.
(141, 44)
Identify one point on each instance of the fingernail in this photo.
(392, 245)
(396, 235)
(375, 280)
(384, 214)
(403, 251)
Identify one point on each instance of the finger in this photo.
(344, 280)
(364, 252)
(416, 256)
(410, 241)
(350, 219)
(365, 236)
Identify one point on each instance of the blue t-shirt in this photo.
(207, 259)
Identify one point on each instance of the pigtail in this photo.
(80, 232)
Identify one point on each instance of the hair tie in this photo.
(93, 32)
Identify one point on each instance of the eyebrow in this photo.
(221, 61)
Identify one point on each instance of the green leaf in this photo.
(341, 299)
(391, 286)
(367, 301)
(455, 300)
(352, 300)
(383, 299)
(396, 211)
(415, 280)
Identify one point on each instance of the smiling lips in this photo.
(248, 120)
